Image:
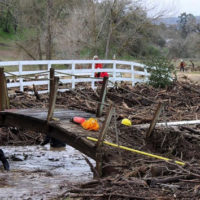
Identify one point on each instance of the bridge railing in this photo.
(26, 73)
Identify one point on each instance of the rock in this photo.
(18, 157)
(53, 159)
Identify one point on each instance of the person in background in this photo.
(182, 66)
(99, 66)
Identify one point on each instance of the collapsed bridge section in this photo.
(64, 130)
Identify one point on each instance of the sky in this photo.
(171, 8)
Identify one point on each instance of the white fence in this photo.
(71, 72)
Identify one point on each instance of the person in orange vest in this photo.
(99, 66)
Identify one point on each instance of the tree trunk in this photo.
(39, 51)
(110, 29)
(49, 30)
(108, 40)
(94, 26)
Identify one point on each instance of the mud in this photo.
(41, 172)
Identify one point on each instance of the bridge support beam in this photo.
(39, 125)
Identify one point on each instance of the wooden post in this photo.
(102, 97)
(101, 139)
(51, 85)
(36, 92)
(2, 93)
(52, 74)
(4, 100)
(52, 99)
(7, 101)
(154, 120)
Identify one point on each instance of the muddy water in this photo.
(41, 172)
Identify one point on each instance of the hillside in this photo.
(171, 20)
(8, 48)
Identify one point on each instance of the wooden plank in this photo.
(102, 96)
(154, 120)
(62, 114)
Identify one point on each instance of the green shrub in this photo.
(161, 71)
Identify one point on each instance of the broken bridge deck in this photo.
(62, 129)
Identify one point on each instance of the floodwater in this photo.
(38, 172)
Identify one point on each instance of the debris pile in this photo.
(134, 176)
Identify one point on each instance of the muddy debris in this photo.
(133, 176)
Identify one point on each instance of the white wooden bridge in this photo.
(71, 72)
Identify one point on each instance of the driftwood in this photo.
(180, 143)
(190, 88)
(190, 129)
(109, 195)
(168, 179)
(92, 168)
(89, 184)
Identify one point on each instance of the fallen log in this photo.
(190, 129)
(109, 195)
(190, 88)
(168, 179)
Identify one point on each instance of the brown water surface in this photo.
(40, 172)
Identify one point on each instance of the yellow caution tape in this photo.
(137, 151)
(55, 119)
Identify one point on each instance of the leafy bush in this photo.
(8, 22)
(161, 71)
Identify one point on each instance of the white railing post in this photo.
(93, 69)
(133, 74)
(49, 67)
(21, 79)
(73, 77)
(73, 80)
(114, 71)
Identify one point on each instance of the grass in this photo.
(9, 38)
(6, 37)
(194, 72)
